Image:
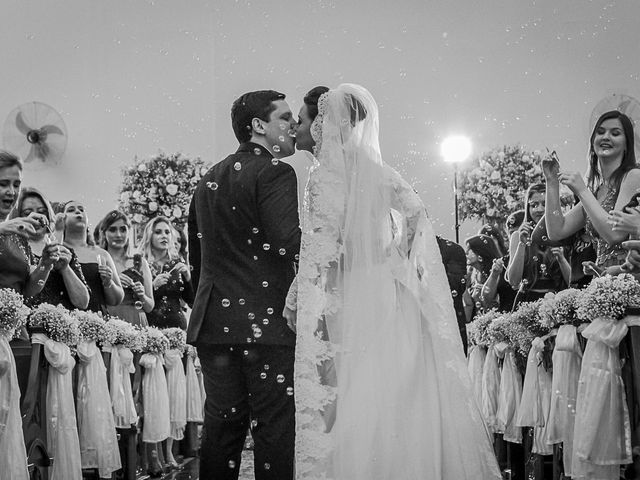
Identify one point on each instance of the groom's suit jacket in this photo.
(244, 237)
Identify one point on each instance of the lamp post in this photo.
(456, 149)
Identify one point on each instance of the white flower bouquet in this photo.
(56, 322)
(91, 325)
(13, 312)
(608, 297)
(177, 338)
(477, 330)
(156, 341)
(118, 332)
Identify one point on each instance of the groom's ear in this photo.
(257, 126)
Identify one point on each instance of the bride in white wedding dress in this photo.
(381, 384)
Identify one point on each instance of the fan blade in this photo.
(32, 154)
(42, 151)
(21, 124)
(52, 129)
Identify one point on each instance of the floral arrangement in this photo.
(497, 330)
(494, 184)
(160, 185)
(560, 308)
(90, 324)
(608, 297)
(156, 341)
(118, 332)
(56, 322)
(477, 330)
(191, 351)
(177, 338)
(13, 312)
(528, 313)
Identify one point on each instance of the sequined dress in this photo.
(15, 255)
(167, 311)
(54, 290)
(607, 255)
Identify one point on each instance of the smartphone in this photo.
(633, 203)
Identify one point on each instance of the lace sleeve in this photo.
(292, 296)
(405, 199)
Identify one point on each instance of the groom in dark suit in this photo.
(244, 237)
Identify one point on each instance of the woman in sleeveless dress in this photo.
(97, 265)
(133, 270)
(381, 385)
(65, 284)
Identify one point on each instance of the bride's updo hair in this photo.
(311, 100)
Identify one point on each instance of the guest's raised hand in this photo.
(550, 167)
(64, 258)
(625, 222)
(126, 280)
(557, 252)
(573, 180)
(50, 256)
(106, 274)
(590, 268)
(24, 226)
(497, 265)
(138, 289)
(525, 232)
(160, 280)
(183, 270)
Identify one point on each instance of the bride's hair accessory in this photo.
(316, 126)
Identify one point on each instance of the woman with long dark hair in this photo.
(534, 269)
(612, 179)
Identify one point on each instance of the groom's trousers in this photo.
(248, 386)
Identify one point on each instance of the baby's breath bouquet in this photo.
(56, 322)
(118, 332)
(608, 297)
(156, 342)
(191, 351)
(91, 325)
(477, 329)
(560, 308)
(13, 312)
(496, 331)
(177, 338)
(528, 314)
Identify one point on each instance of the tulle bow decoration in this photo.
(602, 435)
(62, 430)
(13, 456)
(490, 388)
(509, 397)
(121, 366)
(567, 359)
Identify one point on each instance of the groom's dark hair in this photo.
(252, 105)
(311, 100)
